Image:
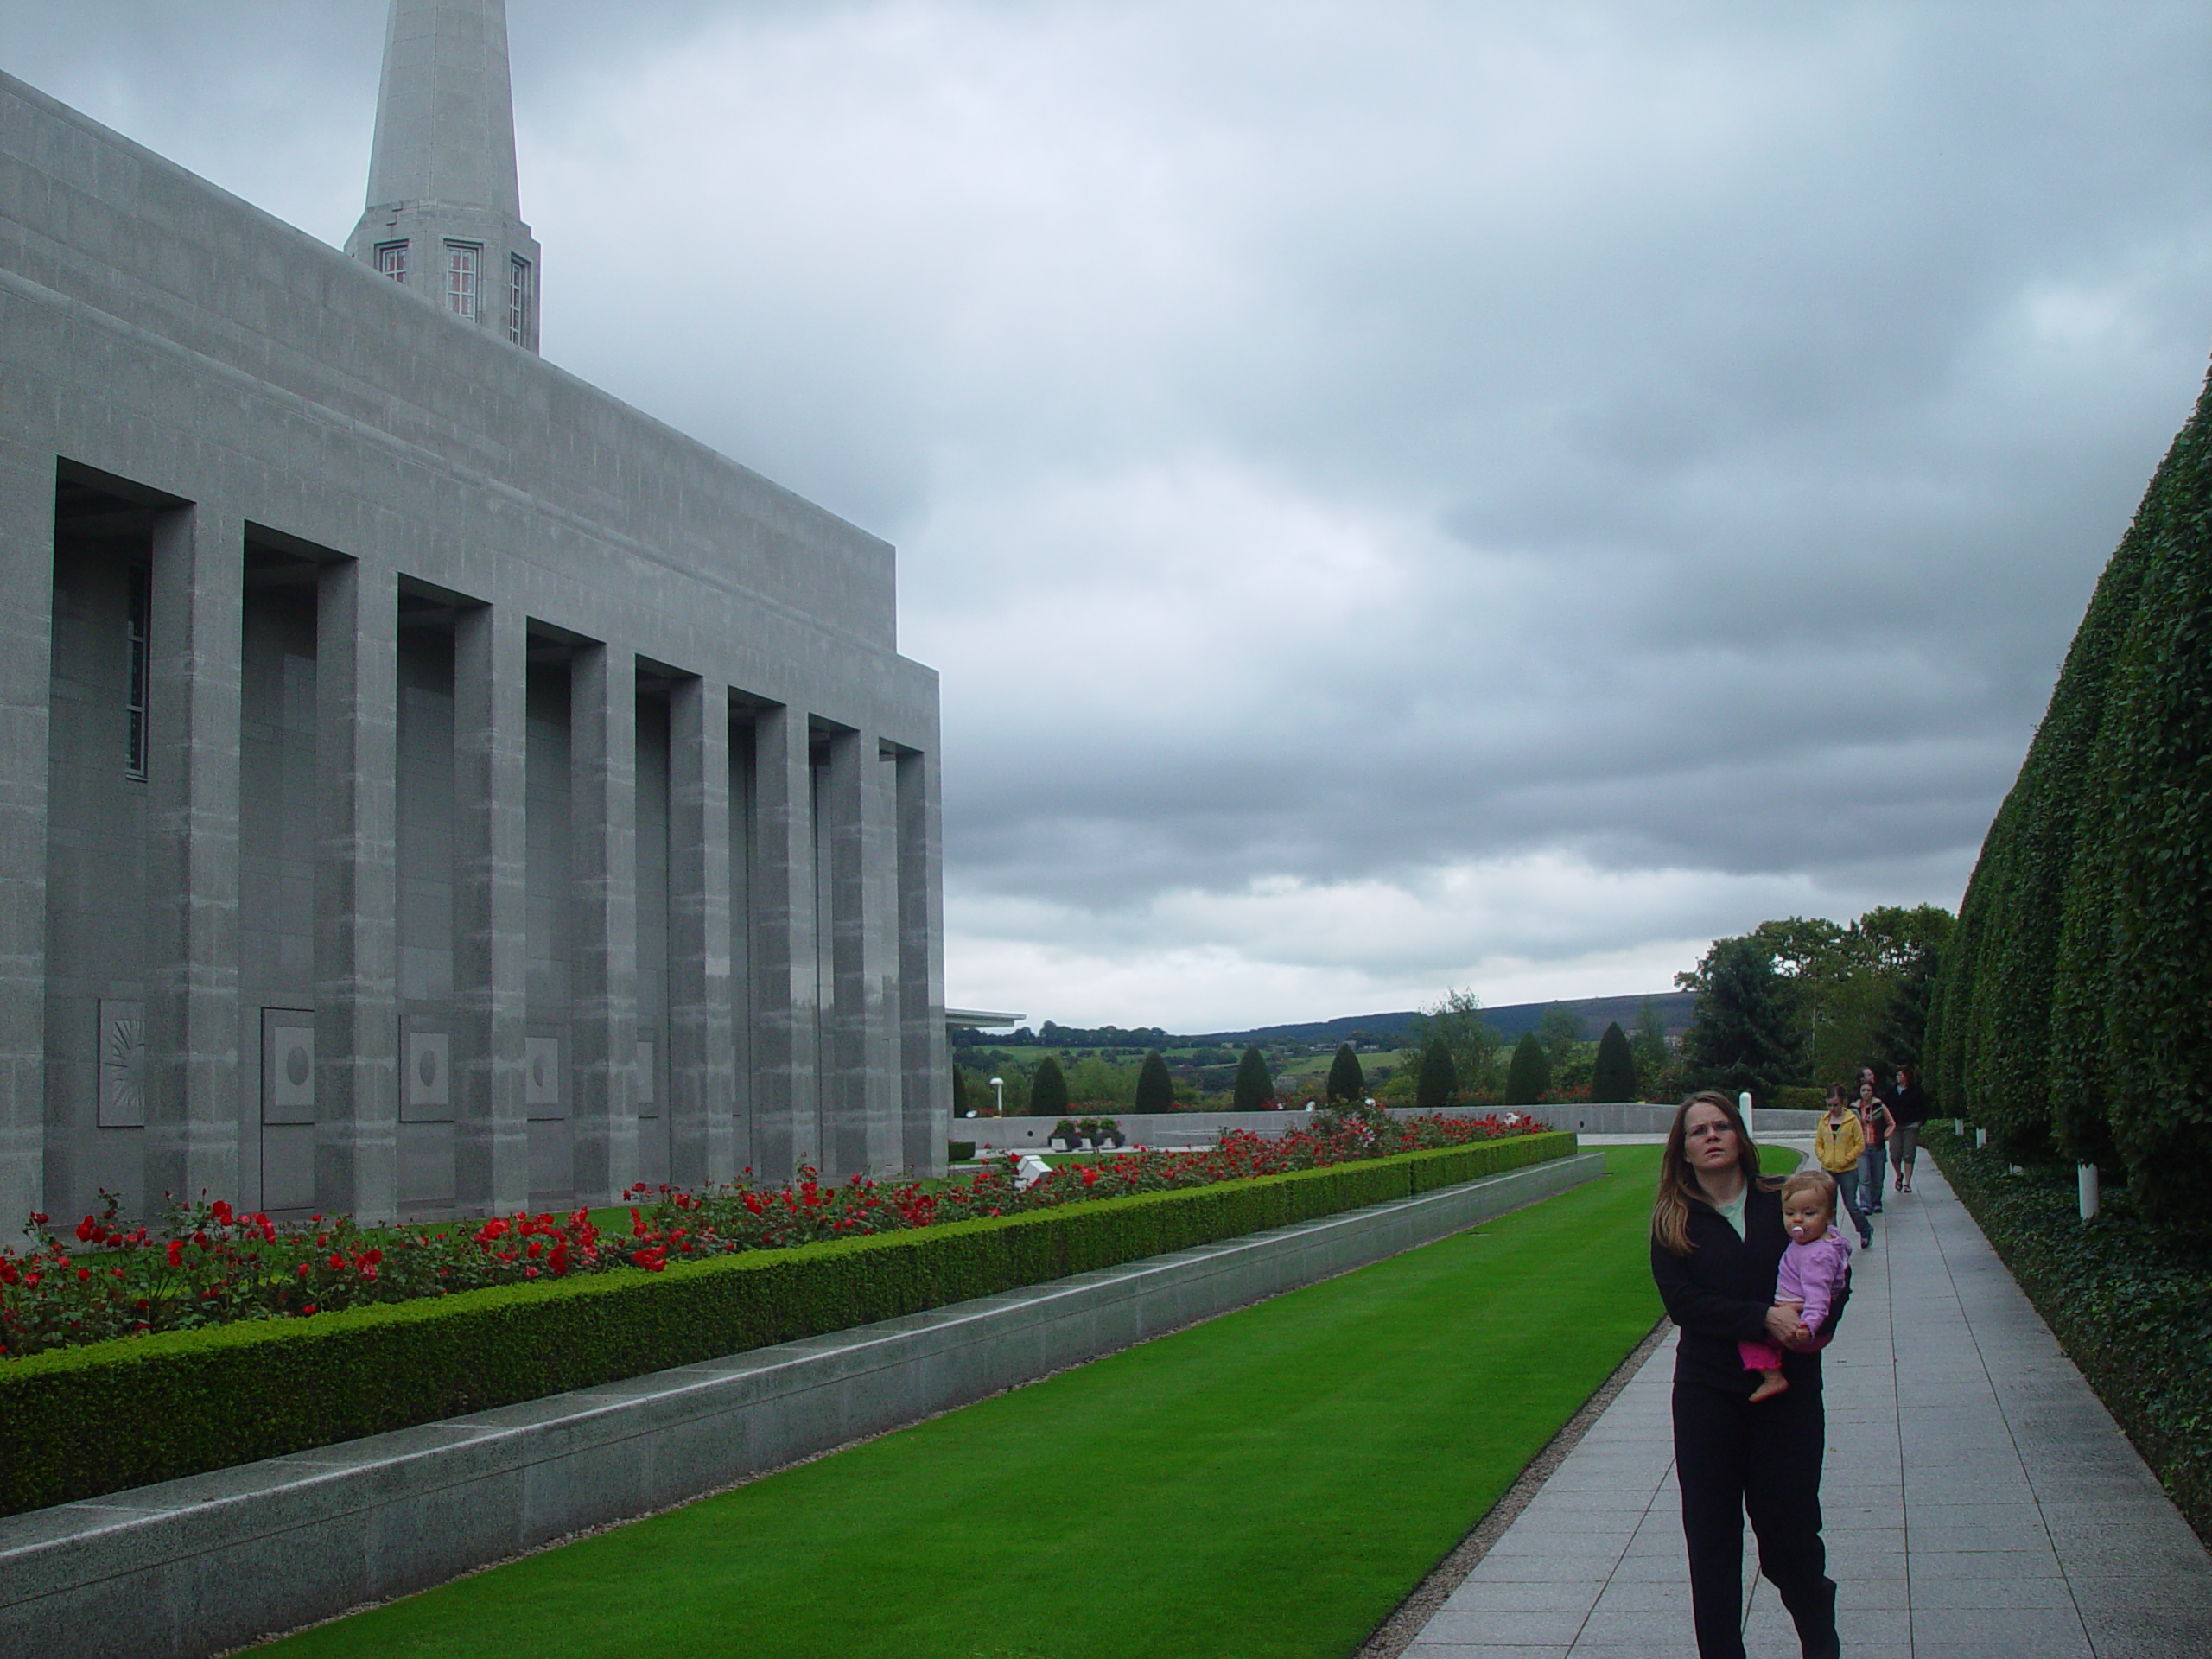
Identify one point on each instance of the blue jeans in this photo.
(1873, 1166)
(1846, 1187)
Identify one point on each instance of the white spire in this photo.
(445, 110)
(444, 211)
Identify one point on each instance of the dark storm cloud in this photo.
(1398, 493)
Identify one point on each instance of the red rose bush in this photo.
(205, 1263)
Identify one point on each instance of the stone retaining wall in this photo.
(1204, 1129)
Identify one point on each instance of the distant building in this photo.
(427, 785)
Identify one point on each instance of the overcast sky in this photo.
(1399, 495)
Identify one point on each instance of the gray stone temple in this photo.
(428, 785)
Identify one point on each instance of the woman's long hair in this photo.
(1670, 1209)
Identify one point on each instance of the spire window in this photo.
(391, 261)
(521, 296)
(462, 262)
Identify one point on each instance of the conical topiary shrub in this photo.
(1254, 1087)
(1612, 1075)
(1156, 1088)
(1528, 1073)
(1438, 1078)
(1346, 1080)
(1048, 1090)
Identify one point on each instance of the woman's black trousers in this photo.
(1734, 1457)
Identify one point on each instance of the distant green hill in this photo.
(1675, 1008)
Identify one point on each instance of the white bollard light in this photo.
(1744, 1105)
(2085, 1182)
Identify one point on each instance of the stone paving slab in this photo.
(1980, 1501)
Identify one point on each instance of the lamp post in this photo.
(998, 1094)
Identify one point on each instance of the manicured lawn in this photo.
(1269, 1484)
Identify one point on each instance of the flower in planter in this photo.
(204, 1263)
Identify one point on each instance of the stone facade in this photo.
(427, 785)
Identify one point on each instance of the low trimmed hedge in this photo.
(2132, 1307)
(79, 1422)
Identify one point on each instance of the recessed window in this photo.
(520, 297)
(138, 609)
(462, 262)
(391, 260)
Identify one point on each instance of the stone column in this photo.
(603, 961)
(26, 687)
(884, 1148)
(491, 1134)
(701, 1075)
(192, 854)
(925, 1074)
(356, 892)
(744, 1152)
(785, 968)
(844, 784)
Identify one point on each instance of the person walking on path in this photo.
(1717, 1242)
(1837, 1142)
(1875, 1124)
(1909, 1108)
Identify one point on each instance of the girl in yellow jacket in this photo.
(1837, 1142)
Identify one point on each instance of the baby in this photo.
(1814, 1268)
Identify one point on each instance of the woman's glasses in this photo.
(1707, 1132)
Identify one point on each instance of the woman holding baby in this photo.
(1718, 1245)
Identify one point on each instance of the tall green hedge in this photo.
(2073, 1005)
(2004, 1041)
(2153, 763)
(78, 1422)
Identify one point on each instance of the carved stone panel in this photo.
(122, 1065)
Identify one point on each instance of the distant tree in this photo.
(1458, 1018)
(1048, 1090)
(1912, 942)
(1613, 1076)
(1156, 1088)
(1254, 1088)
(1559, 1030)
(1650, 1046)
(1439, 1079)
(959, 1092)
(1346, 1080)
(1529, 1074)
(1739, 1038)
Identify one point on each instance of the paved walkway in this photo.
(1979, 1500)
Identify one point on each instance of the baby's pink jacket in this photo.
(1813, 1273)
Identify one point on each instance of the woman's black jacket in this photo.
(1719, 1294)
(1908, 1105)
